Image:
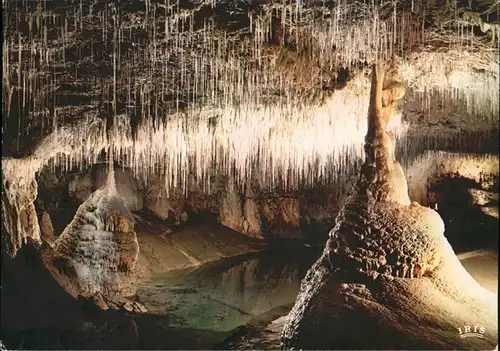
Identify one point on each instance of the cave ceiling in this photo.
(199, 77)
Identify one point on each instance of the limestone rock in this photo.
(230, 211)
(432, 166)
(166, 208)
(128, 306)
(19, 191)
(164, 205)
(98, 250)
(490, 211)
(387, 269)
(100, 302)
(139, 307)
(46, 228)
(82, 186)
(253, 223)
(126, 185)
(291, 211)
(481, 197)
(184, 217)
(134, 307)
(118, 303)
(486, 200)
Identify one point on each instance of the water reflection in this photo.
(224, 295)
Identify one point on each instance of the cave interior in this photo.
(250, 174)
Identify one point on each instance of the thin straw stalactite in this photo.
(190, 97)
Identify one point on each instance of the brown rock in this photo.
(46, 228)
(99, 301)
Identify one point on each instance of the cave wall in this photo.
(262, 213)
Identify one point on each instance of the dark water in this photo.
(207, 307)
(213, 300)
(217, 305)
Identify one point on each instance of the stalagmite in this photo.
(387, 270)
(267, 99)
(97, 252)
(85, 140)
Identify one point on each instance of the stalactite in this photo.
(188, 75)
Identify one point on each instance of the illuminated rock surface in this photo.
(98, 251)
(268, 92)
(387, 272)
(225, 118)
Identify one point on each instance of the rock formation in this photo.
(388, 278)
(19, 218)
(81, 186)
(46, 228)
(97, 252)
(195, 98)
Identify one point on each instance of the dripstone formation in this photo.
(387, 272)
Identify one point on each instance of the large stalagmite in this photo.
(97, 252)
(388, 278)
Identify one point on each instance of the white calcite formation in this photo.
(81, 185)
(387, 272)
(210, 99)
(431, 166)
(97, 252)
(19, 217)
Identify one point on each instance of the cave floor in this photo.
(166, 248)
(483, 266)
